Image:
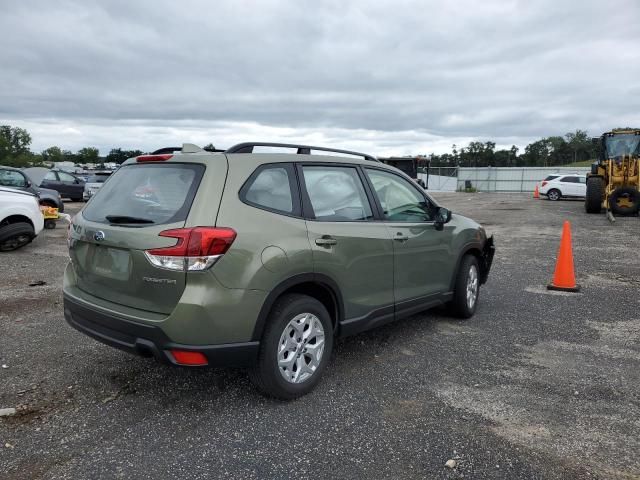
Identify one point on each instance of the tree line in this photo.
(573, 147)
(550, 151)
(15, 151)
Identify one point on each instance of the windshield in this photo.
(146, 194)
(624, 144)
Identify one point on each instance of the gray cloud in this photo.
(399, 77)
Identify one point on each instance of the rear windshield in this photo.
(98, 178)
(147, 193)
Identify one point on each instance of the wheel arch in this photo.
(16, 219)
(321, 287)
(474, 249)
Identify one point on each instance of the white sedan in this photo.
(556, 187)
(20, 218)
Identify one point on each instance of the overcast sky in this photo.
(397, 77)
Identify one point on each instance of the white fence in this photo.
(509, 179)
(442, 179)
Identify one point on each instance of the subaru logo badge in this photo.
(98, 236)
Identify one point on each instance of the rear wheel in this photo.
(595, 193)
(294, 349)
(15, 235)
(467, 288)
(554, 194)
(624, 201)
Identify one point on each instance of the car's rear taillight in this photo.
(544, 182)
(153, 158)
(198, 248)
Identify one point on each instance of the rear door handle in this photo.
(400, 237)
(326, 241)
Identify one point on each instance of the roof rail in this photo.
(247, 147)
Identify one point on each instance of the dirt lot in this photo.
(536, 385)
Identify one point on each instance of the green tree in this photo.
(87, 155)
(118, 155)
(14, 146)
(52, 154)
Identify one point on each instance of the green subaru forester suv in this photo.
(259, 260)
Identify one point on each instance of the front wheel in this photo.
(295, 348)
(467, 288)
(554, 195)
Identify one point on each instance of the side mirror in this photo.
(443, 215)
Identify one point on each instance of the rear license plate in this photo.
(111, 263)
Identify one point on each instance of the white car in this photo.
(20, 218)
(558, 186)
(93, 184)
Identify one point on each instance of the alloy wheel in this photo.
(472, 287)
(300, 348)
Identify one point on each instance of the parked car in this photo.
(20, 218)
(564, 186)
(93, 184)
(15, 178)
(260, 260)
(65, 183)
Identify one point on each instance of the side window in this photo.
(336, 194)
(11, 178)
(582, 179)
(65, 177)
(569, 179)
(400, 200)
(51, 176)
(270, 188)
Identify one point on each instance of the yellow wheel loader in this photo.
(614, 181)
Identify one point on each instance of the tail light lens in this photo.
(197, 248)
(544, 182)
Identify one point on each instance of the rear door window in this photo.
(146, 194)
(336, 194)
(569, 179)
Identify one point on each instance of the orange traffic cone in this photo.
(564, 278)
(536, 193)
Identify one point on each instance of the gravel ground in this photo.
(536, 385)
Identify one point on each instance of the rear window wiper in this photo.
(127, 219)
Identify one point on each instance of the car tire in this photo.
(278, 372)
(15, 235)
(466, 292)
(554, 194)
(595, 194)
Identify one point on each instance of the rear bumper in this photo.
(149, 340)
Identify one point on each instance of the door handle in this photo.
(326, 241)
(400, 237)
